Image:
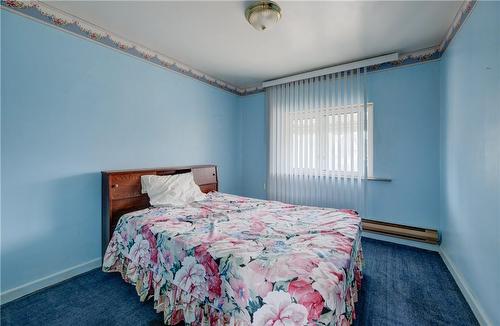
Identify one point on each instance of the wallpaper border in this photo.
(49, 15)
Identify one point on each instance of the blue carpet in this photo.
(408, 286)
(401, 286)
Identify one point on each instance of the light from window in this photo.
(328, 141)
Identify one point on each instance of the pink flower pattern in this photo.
(191, 277)
(279, 310)
(240, 292)
(304, 294)
(235, 260)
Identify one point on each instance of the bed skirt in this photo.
(177, 305)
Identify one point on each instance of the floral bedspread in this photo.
(241, 261)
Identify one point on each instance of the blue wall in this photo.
(470, 170)
(254, 135)
(71, 108)
(406, 145)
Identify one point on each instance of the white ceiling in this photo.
(215, 38)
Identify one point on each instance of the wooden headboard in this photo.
(121, 192)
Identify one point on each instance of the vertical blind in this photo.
(317, 141)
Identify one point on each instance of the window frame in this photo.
(319, 157)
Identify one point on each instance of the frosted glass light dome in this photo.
(263, 14)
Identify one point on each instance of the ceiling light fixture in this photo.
(263, 14)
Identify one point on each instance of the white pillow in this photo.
(171, 190)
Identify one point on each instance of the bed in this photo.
(231, 260)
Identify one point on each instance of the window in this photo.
(327, 141)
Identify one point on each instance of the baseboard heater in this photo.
(401, 231)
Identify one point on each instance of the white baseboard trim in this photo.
(417, 244)
(478, 311)
(49, 280)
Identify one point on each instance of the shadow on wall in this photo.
(64, 219)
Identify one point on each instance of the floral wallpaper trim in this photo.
(435, 52)
(72, 24)
(461, 16)
(419, 56)
(42, 12)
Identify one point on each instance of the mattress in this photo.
(231, 260)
